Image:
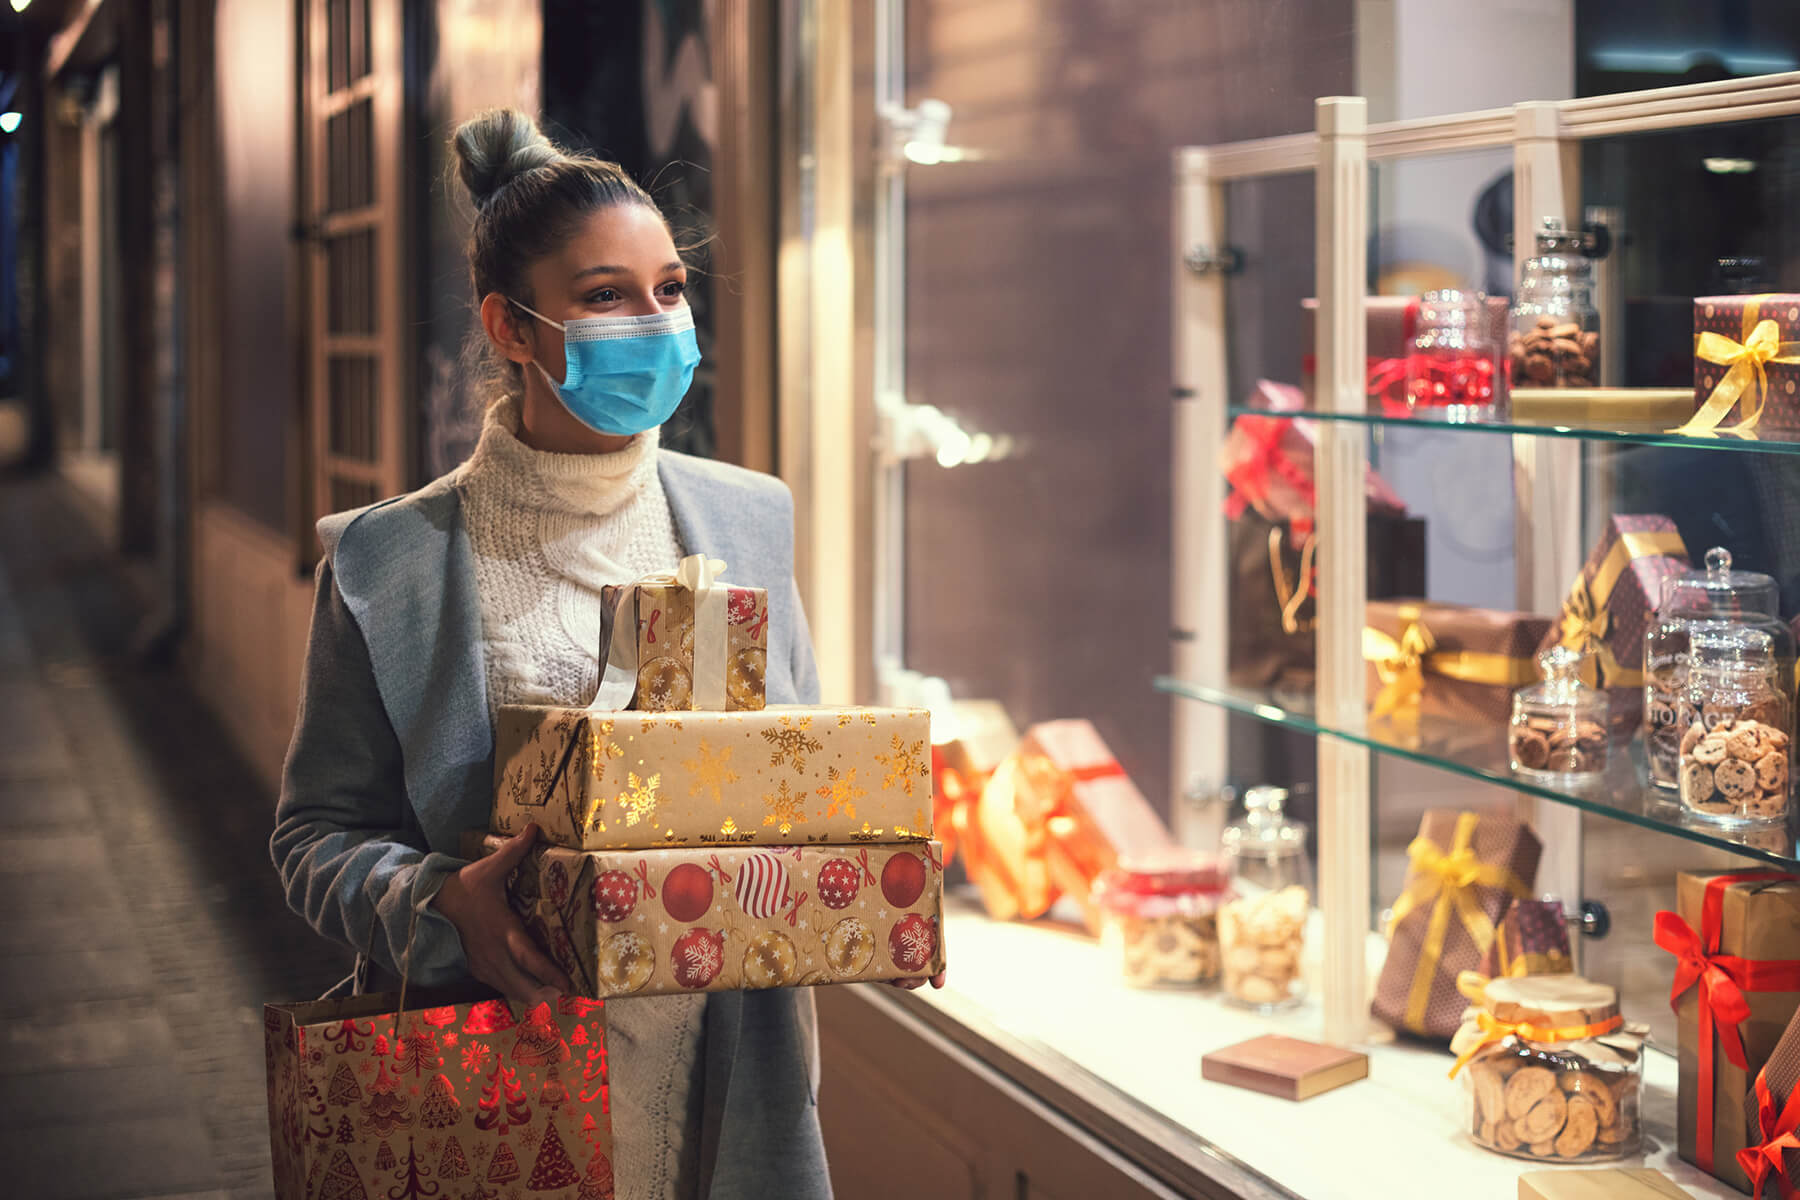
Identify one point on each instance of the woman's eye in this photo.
(673, 288)
(603, 296)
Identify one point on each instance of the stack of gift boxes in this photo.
(688, 848)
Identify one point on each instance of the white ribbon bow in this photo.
(699, 575)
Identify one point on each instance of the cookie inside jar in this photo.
(1558, 730)
(1160, 918)
(1735, 730)
(1549, 1070)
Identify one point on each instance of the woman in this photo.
(483, 589)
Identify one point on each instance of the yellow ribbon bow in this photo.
(1584, 623)
(1447, 882)
(1402, 663)
(1494, 1030)
(1746, 374)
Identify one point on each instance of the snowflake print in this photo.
(711, 771)
(529, 1139)
(916, 940)
(705, 956)
(787, 808)
(639, 799)
(791, 743)
(366, 1067)
(597, 747)
(475, 1057)
(450, 1038)
(434, 1145)
(899, 768)
(841, 792)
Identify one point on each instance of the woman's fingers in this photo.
(501, 862)
(533, 961)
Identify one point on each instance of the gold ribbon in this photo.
(1585, 617)
(1746, 364)
(1402, 663)
(1447, 881)
(1493, 1030)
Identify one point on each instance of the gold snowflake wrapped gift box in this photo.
(775, 776)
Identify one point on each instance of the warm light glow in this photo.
(9, 121)
(1729, 166)
(20, 6)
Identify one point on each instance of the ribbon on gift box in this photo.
(699, 575)
(1249, 478)
(1402, 663)
(1746, 374)
(1780, 1134)
(1585, 619)
(1447, 881)
(1720, 981)
(1385, 379)
(1493, 1030)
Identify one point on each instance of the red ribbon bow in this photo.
(724, 876)
(1779, 1134)
(1721, 981)
(868, 875)
(793, 914)
(643, 874)
(936, 862)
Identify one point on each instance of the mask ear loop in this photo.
(556, 325)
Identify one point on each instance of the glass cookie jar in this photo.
(1263, 927)
(1555, 340)
(1558, 730)
(1735, 728)
(1718, 595)
(1160, 917)
(1452, 365)
(1550, 1071)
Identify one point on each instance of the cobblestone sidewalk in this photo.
(144, 927)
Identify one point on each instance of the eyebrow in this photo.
(607, 270)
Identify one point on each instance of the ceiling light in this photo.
(21, 5)
(9, 121)
(1728, 166)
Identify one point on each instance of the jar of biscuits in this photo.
(1549, 1070)
(1558, 730)
(1160, 916)
(1263, 926)
(1735, 729)
(1719, 594)
(1555, 339)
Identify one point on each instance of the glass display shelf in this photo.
(1479, 752)
(1523, 421)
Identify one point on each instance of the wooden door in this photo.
(357, 420)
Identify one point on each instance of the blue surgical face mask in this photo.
(623, 375)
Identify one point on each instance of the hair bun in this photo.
(495, 147)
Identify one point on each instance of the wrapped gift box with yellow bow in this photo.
(1610, 606)
(1746, 366)
(1448, 661)
(1466, 869)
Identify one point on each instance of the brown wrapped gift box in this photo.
(1731, 335)
(646, 922)
(1449, 661)
(664, 614)
(1417, 989)
(780, 775)
(1760, 921)
(1772, 1115)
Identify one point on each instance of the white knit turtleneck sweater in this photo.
(548, 531)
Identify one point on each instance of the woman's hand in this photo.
(918, 981)
(500, 951)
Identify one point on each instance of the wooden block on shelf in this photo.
(1284, 1066)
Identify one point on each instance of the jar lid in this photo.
(1559, 668)
(1142, 885)
(1723, 645)
(1550, 1001)
(1719, 590)
(1265, 831)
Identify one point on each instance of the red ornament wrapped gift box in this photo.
(1610, 606)
(1772, 1119)
(683, 641)
(644, 922)
(1736, 941)
(1077, 807)
(1746, 366)
(451, 1097)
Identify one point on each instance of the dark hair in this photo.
(530, 196)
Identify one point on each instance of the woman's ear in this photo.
(505, 330)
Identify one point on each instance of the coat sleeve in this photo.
(352, 857)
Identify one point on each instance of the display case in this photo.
(1042, 1003)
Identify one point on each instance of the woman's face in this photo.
(621, 262)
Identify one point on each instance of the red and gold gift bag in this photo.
(1772, 1119)
(445, 1099)
(1467, 869)
(1079, 810)
(684, 641)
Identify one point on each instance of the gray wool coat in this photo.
(392, 759)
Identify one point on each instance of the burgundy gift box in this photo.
(1746, 365)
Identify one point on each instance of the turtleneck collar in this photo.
(592, 484)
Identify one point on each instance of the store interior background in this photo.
(152, 319)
